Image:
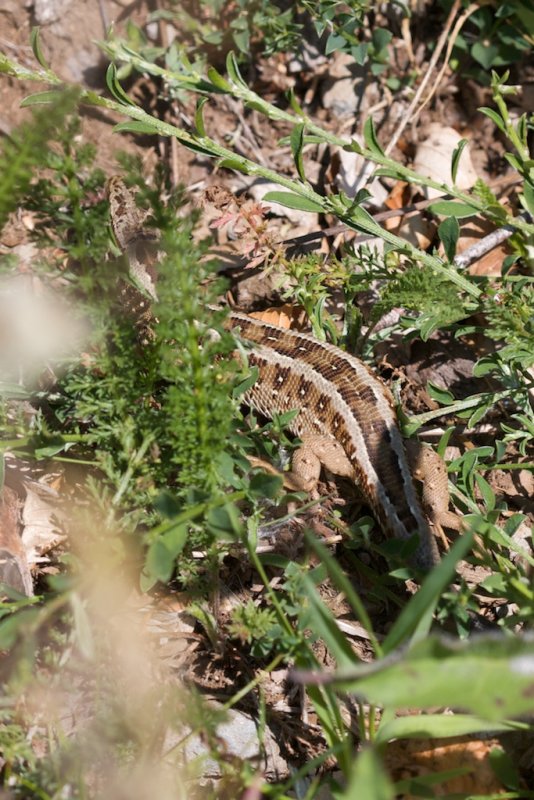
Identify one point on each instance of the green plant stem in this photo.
(195, 82)
(355, 218)
(460, 405)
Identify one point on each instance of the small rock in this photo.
(48, 11)
(434, 156)
(238, 736)
(343, 89)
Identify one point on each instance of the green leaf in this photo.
(359, 53)
(457, 154)
(449, 232)
(18, 626)
(162, 553)
(514, 161)
(528, 194)
(263, 484)
(381, 37)
(218, 81)
(36, 47)
(115, 88)
(296, 142)
(438, 726)
(233, 163)
(232, 68)
(225, 521)
(369, 778)
(479, 413)
(450, 208)
(40, 98)
(294, 104)
(491, 675)
(159, 561)
(136, 126)
(53, 446)
(245, 385)
(504, 768)
(440, 394)
(290, 200)
(485, 54)
(369, 135)
(333, 43)
(199, 118)
(390, 172)
(495, 117)
(354, 147)
(242, 40)
(486, 491)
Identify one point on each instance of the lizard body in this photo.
(346, 421)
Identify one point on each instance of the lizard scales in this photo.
(345, 415)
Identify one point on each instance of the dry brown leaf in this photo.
(471, 232)
(285, 316)
(414, 228)
(40, 515)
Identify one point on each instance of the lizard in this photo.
(346, 416)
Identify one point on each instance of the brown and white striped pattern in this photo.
(338, 396)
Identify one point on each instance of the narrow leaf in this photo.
(296, 142)
(430, 726)
(457, 154)
(450, 208)
(294, 104)
(36, 47)
(489, 112)
(369, 779)
(40, 98)
(232, 68)
(233, 163)
(369, 135)
(115, 88)
(199, 116)
(290, 200)
(449, 232)
(486, 491)
(136, 126)
(218, 81)
(528, 195)
(318, 617)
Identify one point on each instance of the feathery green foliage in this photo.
(26, 149)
